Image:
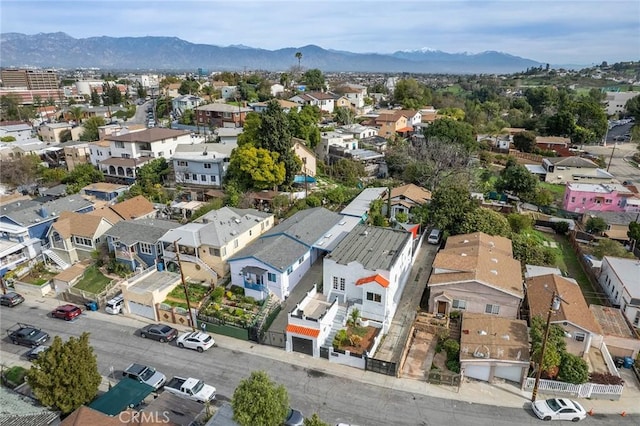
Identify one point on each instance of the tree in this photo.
(314, 421)
(81, 176)
(452, 131)
(634, 233)
(573, 369)
(528, 251)
(65, 376)
(633, 108)
(189, 87)
(516, 178)
(348, 171)
(485, 220)
(525, 141)
(20, 171)
(95, 98)
(259, 401)
(253, 167)
(344, 115)
(90, 132)
(448, 206)
(520, 222)
(596, 225)
(304, 124)
(76, 113)
(609, 247)
(402, 217)
(411, 94)
(299, 58)
(66, 136)
(10, 107)
(314, 79)
(555, 344)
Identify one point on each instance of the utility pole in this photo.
(184, 285)
(611, 157)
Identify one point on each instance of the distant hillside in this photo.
(59, 50)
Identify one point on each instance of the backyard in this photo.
(92, 281)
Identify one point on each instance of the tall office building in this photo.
(30, 79)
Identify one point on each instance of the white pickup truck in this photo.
(191, 388)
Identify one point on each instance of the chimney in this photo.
(44, 212)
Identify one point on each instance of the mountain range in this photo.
(59, 50)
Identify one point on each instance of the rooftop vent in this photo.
(494, 272)
(465, 242)
(463, 254)
(482, 332)
(494, 260)
(506, 337)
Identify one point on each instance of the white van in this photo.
(434, 236)
(114, 306)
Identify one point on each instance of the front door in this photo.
(442, 307)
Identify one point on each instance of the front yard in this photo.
(38, 275)
(355, 339)
(232, 307)
(92, 281)
(197, 294)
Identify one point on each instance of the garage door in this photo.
(479, 372)
(142, 310)
(513, 374)
(304, 346)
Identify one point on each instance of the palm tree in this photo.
(299, 58)
(76, 113)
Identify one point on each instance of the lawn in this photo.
(92, 281)
(15, 374)
(556, 190)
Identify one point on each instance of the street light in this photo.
(554, 305)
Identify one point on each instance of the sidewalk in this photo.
(499, 394)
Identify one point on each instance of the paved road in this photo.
(334, 398)
(616, 156)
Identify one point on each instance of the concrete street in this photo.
(337, 393)
(616, 156)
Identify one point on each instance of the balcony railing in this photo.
(252, 285)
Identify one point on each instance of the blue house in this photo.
(37, 217)
(104, 191)
(137, 243)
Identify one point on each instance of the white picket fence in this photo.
(584, 390)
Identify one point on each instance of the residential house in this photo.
(228, 92)
(145, 292)
(553, 143)
(620, 338)
(17, 247)
(494, 348)
(588, 197)
(104, 191)
(391, 124)
(38, 217)
(373, 161)
(75, 236)
(99, 151)
(11, 150)
(407, 197)
(201, 164)
(324, 101)
(619, 280)
(18, 409)
(358, 131)
(342, 102)
(355, 94)
(136, 243)
(286, 106)
(228, 135)
(276, 89)
(19, 132)
(183, 103)
(50, 132)
(368, 269)
(306, 155)
(357, 211)
(476, 273)
(76, 154)
(617, 224)
(221, 115)
(334, 139)
(206, 244)
(123, 169)
(134, 208)
(581, 329)
(573, 169)
(377, 143)
(275, 262)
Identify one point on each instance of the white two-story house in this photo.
(369, 269)
(619, 278)
(201, 164)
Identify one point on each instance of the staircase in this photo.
(269, 306)
(198, 261)
(140, 261)
(56, 259)
(338, 324)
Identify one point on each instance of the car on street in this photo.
(196, 340)
(145, 374)
(294, 418)
(34, 353)
(160, 332)
(558, 409)
(66, 312)
(11, 299)
(27, 335)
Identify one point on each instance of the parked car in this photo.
(190, 388)
(34, 353)
(11, 299)
(27, 335)
(294, 418)
(434, 236)
(558, 409)
(145, 374)
(197, 340)
(66, 312)
(114, 306)
(161, 332)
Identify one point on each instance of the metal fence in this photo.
(383, 367)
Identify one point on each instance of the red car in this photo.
(66, 312)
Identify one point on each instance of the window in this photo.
(207, 165)
(342, 284)
(119, 144)
(214, 251)
(335, 283)
(203, 178)
(492, 309)
(584, 200)
(608, 201)
(83, 241)
(636, 321)
(459, 304)
(300, 260)
(289, 270)
(573, 199)
(183, 163)
(580, 337)
(146, 248)
(374, 297)
(271, 277)
(213, 178)
(187, 176)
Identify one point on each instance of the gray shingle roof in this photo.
(279, 252)
(19, 410)
(130, 232)
(225, 224)
(28, 213)
(306, 226)
(371, 246)
(572, 162)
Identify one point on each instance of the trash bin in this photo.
(619, 362)
(628, 362)
(92, 305)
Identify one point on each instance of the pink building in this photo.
(609, 197)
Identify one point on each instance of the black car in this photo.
(11, 299)
(161, 332)
(27, 335)
(34, 353)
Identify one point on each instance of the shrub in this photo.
(560, 228)
(340, 339)
(573, 369)
(217, 294)
(455, 314)
(452, 348)
(453, 365)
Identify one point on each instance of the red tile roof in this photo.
(377, 278)
(305, 331)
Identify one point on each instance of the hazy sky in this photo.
(555, 31)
